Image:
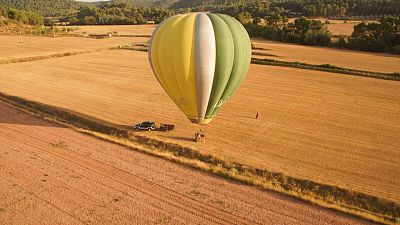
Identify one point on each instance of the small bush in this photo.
(60, 144)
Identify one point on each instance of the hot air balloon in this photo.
(200, 59)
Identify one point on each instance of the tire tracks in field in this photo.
(286, 216)
(42, 199)
(146, 187)
(260, 206)
(101, 204)
(269, 210)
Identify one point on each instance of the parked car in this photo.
(146, 125)
(166, 127)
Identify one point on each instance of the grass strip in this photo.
(327, 68)
(132, 35)
(56, 55)
(355, 203)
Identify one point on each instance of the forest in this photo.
(43, 7)
(20, 16)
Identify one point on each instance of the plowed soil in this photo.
(332, 128)
(53, 175)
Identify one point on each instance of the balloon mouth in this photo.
(201, 121)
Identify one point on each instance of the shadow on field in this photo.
(182, 138)
(9, 115)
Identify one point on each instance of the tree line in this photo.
(381, 36)
(342, 8)
(309, 8)
(118, 13)
(376, 37)
(276, 27)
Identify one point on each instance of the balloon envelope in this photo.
(200, 59)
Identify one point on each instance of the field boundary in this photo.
(355, 203)
(270, 62)
(327, 68)
(51, 56)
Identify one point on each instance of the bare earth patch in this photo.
(88, 181)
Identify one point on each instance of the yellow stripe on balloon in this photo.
(154, 56)
(165, 55)
(184, 63)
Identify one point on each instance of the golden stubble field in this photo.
(369, 61)
(84, 180)
(120, 29)
(338, 27)
(345, 29)
(11, 48)
(331, 128)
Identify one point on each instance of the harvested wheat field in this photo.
(376, 62)
(120, 29)
(338, 27)
(345, 29)
(11, 48)
(53, 175)
(331, 128)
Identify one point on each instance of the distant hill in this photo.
(44, 7)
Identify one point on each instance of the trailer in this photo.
(166, 127)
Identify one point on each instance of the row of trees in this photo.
(118, 13)
(302, 30)
(230, 7)
(310, 8)
(382, 36)
(21, 16)
(341, 8)
(377, 37)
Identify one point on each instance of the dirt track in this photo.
(53, 175)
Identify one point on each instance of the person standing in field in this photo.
(257, 116)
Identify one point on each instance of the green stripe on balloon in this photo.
(242, 58)
(224, 61)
